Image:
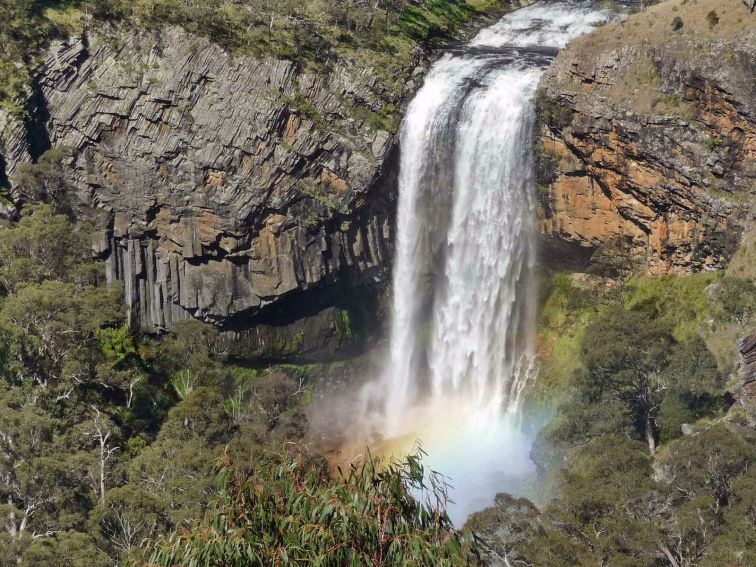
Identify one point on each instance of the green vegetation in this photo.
(736, 301)
(566, 309)
(44, 181)
(646, 462)
(680, 302)
(633, 371)
(312, 32)
(713, 143)
(110, 440)
(295, 512)
(347, 328)
(431, 18)
(611, 510)
(383, 120)
(118, 449)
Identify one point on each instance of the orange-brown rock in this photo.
(651, 144)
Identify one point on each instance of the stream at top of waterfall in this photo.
(461, 353)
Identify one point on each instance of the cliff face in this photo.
(221, 184)
(249, 192)
(257, 195)
(648, 138)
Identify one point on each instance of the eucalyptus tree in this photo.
(297, 512)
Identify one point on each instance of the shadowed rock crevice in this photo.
(4, 181)
(328, 323)
(37, 118)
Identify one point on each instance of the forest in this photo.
(633, 482)
(115, 444)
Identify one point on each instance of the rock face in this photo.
(221, 184)
(650, 146)
(230, 188)
(748, 351)
(248, 192)
(747, 394)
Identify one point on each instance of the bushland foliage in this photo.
(297, 513)
(110, 440)
(308, 31)
(647, 461)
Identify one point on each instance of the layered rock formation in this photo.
(249, 192)
(221, 184)
(648, 139)
(747, 393)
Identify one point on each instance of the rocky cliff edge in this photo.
(220, 184)
(648, 136)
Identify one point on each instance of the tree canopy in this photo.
(296, 512)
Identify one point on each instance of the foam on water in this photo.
(552, 25)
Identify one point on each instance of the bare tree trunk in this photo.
(131, 391)
(102, 475)
(671, 558)
(102, 436)
(650, 437)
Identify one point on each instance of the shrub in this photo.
(296, 512)
(736, 301)
(43, 246)
(677, 23)
(713, 143)
(708, 462)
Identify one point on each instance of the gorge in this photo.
(426, 282)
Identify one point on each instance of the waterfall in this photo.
(464, 287)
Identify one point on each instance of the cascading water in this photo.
(464, 287)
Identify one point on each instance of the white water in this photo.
(546, 24)
(464, 287)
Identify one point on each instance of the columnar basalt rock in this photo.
(653, 146)
(220, 183)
